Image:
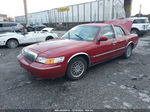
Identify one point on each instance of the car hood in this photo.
(57, 46)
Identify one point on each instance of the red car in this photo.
(78, 49)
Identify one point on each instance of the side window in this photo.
(135, 21)
(119, 32)
(147, 21)
(123, 34)
(13, 24)
(1, 25)
(138, 21)
(107, 32)
(6, 25)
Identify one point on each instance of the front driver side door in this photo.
(28, 38)
(41, 36)
(105, 49)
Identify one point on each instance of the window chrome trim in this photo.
(108, 52)
(46, 68)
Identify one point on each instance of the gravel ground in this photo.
(118, 84)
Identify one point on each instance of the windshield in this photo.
(85, 33)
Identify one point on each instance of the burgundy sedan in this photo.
(78, 49)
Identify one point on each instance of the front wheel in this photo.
(128, 52)
(76, 69)
(12, 43)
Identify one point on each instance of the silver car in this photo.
(10, 26)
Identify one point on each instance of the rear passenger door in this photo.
(121, 40)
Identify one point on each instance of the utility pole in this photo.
(26, 12)
(140, 12)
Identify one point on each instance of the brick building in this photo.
(3, 17)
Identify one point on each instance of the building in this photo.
(3, 17)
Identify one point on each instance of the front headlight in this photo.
(50, 60)
(22, 51)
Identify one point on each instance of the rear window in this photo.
(139, 21)
(13, 24)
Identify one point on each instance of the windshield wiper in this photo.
(79, 36)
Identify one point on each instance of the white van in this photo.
(140, 25)
(10, 26)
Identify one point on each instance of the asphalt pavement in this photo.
(117, 84)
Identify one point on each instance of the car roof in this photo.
(139, 18)
(95, 24)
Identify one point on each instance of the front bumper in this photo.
(144, 31)
(2, 43)
(41, 70)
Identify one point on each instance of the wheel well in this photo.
(134, 29)
(131, 45)
(50, 37)
(12, 39)
(83, 56)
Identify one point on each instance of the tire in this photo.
(128, 52)
(76, 68)
(12, 43)
(135, 31)
(49, 38)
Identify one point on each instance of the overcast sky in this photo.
(15, 7)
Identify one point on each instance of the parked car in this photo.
(140, 25)
(14, 39)
(35, 27)
(10, 26)
(81, 47)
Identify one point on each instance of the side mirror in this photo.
(103, 39)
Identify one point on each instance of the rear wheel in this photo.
(12, 43)
(135, 31)
(49, 38)
(76, 69)
(128, 52)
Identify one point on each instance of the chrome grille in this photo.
(29, 55)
